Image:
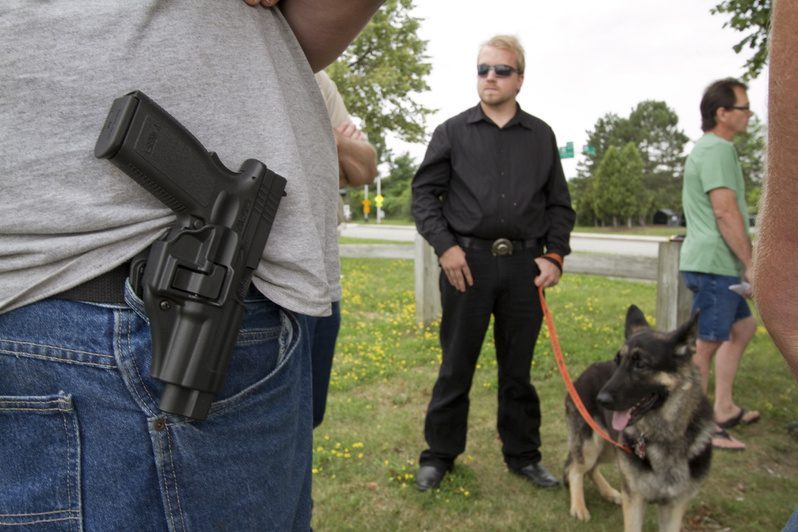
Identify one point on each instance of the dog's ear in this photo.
(685, 336)
(635, 321)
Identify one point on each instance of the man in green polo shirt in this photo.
(716, 253)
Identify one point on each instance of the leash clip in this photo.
(640, 446)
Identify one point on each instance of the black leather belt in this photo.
(106, 288)
(500, 247)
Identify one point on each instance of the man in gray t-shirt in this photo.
(75, 367)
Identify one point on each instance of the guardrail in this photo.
(673, 298)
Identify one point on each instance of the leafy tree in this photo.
(581, 200)
(751, 153)
(753, 16)
(606, 133)
(380, 73)
(617, 189)
(653, 129)
(395, 189)
(661, 146)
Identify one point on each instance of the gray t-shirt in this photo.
(234, 75)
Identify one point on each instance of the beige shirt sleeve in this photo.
(332, 99)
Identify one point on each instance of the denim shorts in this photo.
(83, 445)
(720, 307)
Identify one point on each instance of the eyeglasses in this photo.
(502, 71)
(739, 108)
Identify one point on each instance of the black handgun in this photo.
(197, 274)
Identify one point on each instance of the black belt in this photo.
(500, 247)
(106, 288)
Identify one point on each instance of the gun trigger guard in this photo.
(137, 266)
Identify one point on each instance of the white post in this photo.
(674, 299)
(379, 207)
(428, 294)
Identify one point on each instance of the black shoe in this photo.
(538, 474)
(429, 477)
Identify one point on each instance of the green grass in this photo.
(366, 450)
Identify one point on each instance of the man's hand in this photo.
(453, 262)
(549, 273)
(357, 158)
(349, 131)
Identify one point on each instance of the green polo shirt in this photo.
(712, 164)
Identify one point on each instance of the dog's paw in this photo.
(612, 495)
(580, 512)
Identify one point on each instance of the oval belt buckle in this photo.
(502, 247)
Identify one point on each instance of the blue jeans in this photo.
(83, 445)
(792, 524)
(720, 307)
(323, 334)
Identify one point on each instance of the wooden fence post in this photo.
(674, 300)
(428, 293)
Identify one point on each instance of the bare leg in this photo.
(726, 363)
(705, 350)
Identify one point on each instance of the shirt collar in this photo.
(476, 114)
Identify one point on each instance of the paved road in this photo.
(640, 246)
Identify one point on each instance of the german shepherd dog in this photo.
(649, 399)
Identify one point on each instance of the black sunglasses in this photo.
(502, 71)
(737, 107)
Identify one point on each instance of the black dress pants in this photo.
(505, 288)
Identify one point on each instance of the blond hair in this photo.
(508, 42)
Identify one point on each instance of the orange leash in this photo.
(555, 344)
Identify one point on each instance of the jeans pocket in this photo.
(39, 463)
(268, 336)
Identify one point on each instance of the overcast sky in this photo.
(584, 59)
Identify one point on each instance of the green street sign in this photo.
(587, 149)
(567, 151)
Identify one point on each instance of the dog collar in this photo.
(640, 446)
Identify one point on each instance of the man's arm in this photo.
(732, 226)
(430, 183)
(776, 261)
(561, 218)
(324, 28)
(357, 158)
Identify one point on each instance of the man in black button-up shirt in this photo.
(492, 172)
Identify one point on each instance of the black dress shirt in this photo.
(487, 182)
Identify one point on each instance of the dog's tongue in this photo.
(621, 419)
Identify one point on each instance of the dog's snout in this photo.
(604, 399)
